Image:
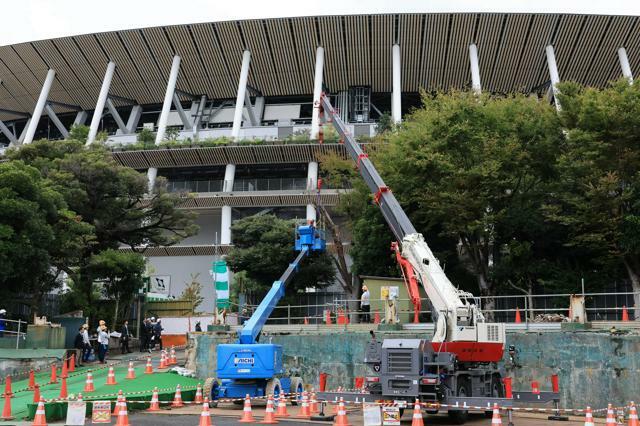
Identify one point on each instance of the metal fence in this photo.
(598, 307)
(12, 331)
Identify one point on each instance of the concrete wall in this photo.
(594, 368)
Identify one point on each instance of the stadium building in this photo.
(239, 96)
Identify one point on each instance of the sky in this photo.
(29, 20)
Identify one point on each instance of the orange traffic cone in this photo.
(625, 314)
(205, 416)
(88, 384)
(149, 368)
(588, 418)
(64, 373)
(611, 417)
(496, 419)
(36, 394)
(32, 379)
(282, 407)
(123, 416)
(337, 404)
(163, 361)
(131, 372)
(633, 415)
(172, 358)
(177, 399)
(313, 404)
(116, 408)
(7, 386)
(6, 411)
(306, 321)
(269, 414)
(518, 319)
(327, 319)
(154, 404)
(417, 415)
(111, 376)
(341, 418)
(40, 418)
(247, 415)
(54, 377)
(72, 363)
(305, 411)
(376, 318)
(198, 399)
(63, 389)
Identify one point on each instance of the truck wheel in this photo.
(273, 388)
(497, 391)
(207, 390)
(460, 416)
(297, 387)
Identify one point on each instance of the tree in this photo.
(597, 203)
(263, 249)
(192, 293)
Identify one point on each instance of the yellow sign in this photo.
(101, 412)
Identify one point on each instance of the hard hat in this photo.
(3, 311)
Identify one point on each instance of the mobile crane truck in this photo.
(249, 367)
(459, 364)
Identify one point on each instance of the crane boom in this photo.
(457, 317)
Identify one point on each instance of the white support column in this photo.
(152, 173)
(312, 185)
(24, 131)
(242, 88)
(81, 118)
(317, 91)
(258, 109)
(229, 178)
(553, 74)
(102, 99)
(37, 111)
(225, 226)
(56, 121)
(134, 118)
(116, 116)
(250, 111)
(396, 97)
(186, 121)
(475, 69)
(624, 64)
(8, 133)
(199, 111)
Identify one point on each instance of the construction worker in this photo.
(3, 323)
(365, 305)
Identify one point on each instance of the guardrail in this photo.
(14, 329)
(598, 307)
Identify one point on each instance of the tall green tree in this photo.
(598, 200)
(264, 248)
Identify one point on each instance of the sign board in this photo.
(159, 284)
(76, 412)
(101, 412)
(391, 416)
(220, 274)
(371, 414)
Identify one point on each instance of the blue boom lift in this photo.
(253, 368)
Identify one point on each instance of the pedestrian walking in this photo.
(78, 345)
(365, 305)
(86, 343)
(103, 342)
(151, 334)
(125, 336)
(157, 333)
(144, 335)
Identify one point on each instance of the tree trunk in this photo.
(115, 314)
(489, 304)
(634, 276)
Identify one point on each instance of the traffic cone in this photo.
(131, 372)
(496, 419)
(633, 415)
(123, 416)
(305, 411)
(64, 394)
(54, 377)
(72, 363)
(172, 359)
(205, 416)
(376, 318)
(111, 376)
(149, 368)
(313, 404)
(40, 418)
(247, 415)
(198, 399)
(154, 404)
(611, 417)
(36, 394)
(341, 418)
(417, 415)
(116, 408)
(7, 386)
(327, 318)
(163, 361)
(88, 384)
(282, 407)
(6, 411)
(32, 379)
(269, 414)
(306, 321)
(625, 314)
(337, 404)
(64, 373)
(588, 418)
(518, 319)
(177, 399)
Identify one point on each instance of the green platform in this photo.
(137, 389)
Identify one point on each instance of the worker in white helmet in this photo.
(3, 323)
